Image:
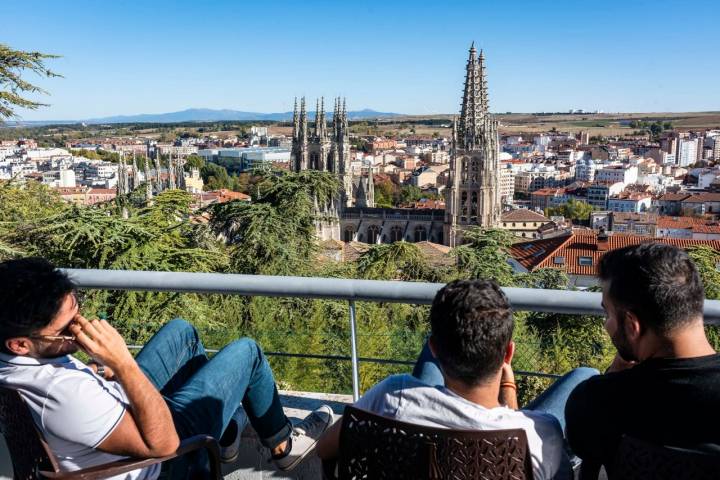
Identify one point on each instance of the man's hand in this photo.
(102, 342)
(508, 389)
(619, 364)
(507, 373)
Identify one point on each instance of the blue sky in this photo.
(130, 57)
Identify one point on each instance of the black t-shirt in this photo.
(664, 401)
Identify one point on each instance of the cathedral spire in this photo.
(320, 126)
(471, 111)
(344, 119)
(302, 129)
(335, 120)
(296, 123)
(483, 85)
(323, 125)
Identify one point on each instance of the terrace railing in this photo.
(522, 299)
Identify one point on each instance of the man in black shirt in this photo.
(664, 384)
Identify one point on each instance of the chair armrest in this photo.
(129, 464)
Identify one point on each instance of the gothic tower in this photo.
(319, 147)
(473, 196)
(300, 138)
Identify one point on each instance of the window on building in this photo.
(349, 234)
(396, 234)
(420, 234)
(585, 261)
(559, 260)
(373, 233)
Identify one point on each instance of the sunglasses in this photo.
(53, 338)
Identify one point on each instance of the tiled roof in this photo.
(682, 222)
(523, 215)
(703, 197)
(673, 197)
(436, 254)
(565, 253)
(549, 192)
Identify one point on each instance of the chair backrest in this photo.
(637, 458)
(27, 450)
(372, 446)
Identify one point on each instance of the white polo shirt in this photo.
(405, 398)
(74, 408)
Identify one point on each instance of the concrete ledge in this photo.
(254, 462)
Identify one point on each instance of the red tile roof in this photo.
(703, 197)
(674, 197)
(543, 253)
(523, 215)
(681, 222)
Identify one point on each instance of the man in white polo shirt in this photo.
(120, 406)
(463, 380)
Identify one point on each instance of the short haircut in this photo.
(471, 324)
(32, 291)
(657, 282)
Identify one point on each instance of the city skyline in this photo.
(399, 57)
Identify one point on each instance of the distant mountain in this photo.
(209, 115)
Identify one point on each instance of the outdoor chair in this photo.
(376, 447)
(32, 458)
(638, 459)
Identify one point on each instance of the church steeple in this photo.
(296, 120)
(320, 125)
(483, 85)
(471, 111)
(473, 194)
(302, 128)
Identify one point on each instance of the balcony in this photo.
(253, 462)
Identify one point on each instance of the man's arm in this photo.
(147, 430)
(508, 389)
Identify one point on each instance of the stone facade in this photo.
(387, 225)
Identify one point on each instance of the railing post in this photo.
(354, 353)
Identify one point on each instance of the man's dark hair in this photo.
(657, 282)
(31, 293)
(472, 324)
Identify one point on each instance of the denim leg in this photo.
(427, 368)
(238, 375)
(553, 399)
(172, 356)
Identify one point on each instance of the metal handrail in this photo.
(525, 299)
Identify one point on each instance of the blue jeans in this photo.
(205, 394)
(551, 401)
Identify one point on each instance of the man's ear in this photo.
(19, 345)
(509, 352)
(633, 328)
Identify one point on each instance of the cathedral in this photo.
(472, 194)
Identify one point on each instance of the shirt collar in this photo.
(25, 360)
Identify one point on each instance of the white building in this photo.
(625, 174)
(687, 151)
(585, 170)
(630, 203)
(67, 178)
(507, 183)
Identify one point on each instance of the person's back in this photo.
(471, 341)
(408, 399)
(664, 386)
